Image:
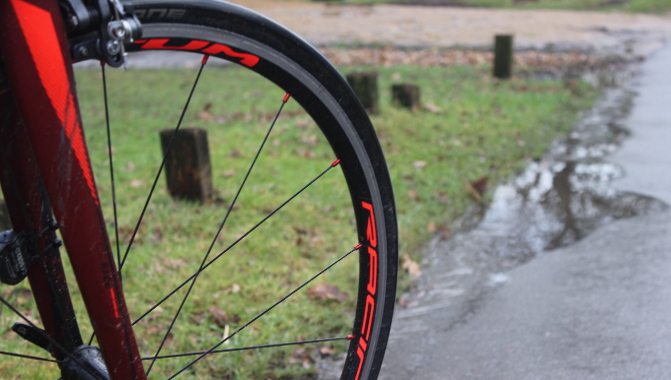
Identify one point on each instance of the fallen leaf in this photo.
(174, 263)
(419, 164)
(204, 116)
(301, 231)
(414, 195)
(445, 233)
(411, 266)
(480, 184)
(303, 123)
(317, 240)
(307, 154)
(326, 351)
(326, 291)
(197, 318)
(310, 140)
(240, 116)
(299, 353)
(153, 329)
(219, 316)
(474, 193)
(431, 227)
(432, 108)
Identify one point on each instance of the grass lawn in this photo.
(473, 127)
(478, 128)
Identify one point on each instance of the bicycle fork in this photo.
(44, 155)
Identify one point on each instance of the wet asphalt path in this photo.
(597, 309)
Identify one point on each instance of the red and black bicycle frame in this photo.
(44, 164)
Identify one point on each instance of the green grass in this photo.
(478, 127)
(486, 128)
(277, 257)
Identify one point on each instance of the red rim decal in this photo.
(204, 47)
(371, 287)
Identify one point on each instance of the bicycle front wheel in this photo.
(293, 256)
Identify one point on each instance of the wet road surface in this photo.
(567, 277)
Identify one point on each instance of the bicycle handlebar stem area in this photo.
(37, 65)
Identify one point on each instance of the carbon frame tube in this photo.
(30, 215)
(33, 48)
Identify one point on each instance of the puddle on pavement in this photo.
(567, 195)
(555, 202)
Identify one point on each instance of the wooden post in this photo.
(503, 56)
(406, 95)
(365, 87)
(187, 164)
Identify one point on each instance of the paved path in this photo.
(646, 157)
(600, 309)
(597, 310)
(322, 23)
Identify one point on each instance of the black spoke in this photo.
(221, 227)
(247, 348)
(109, 150)
(241, 238)
(266, 311)
(160, 170)
(28, 357)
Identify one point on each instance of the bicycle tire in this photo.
(292, 64)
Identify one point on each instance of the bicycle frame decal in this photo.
(39, 68)
(49, 63)
(204, 47)
(371, 287)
